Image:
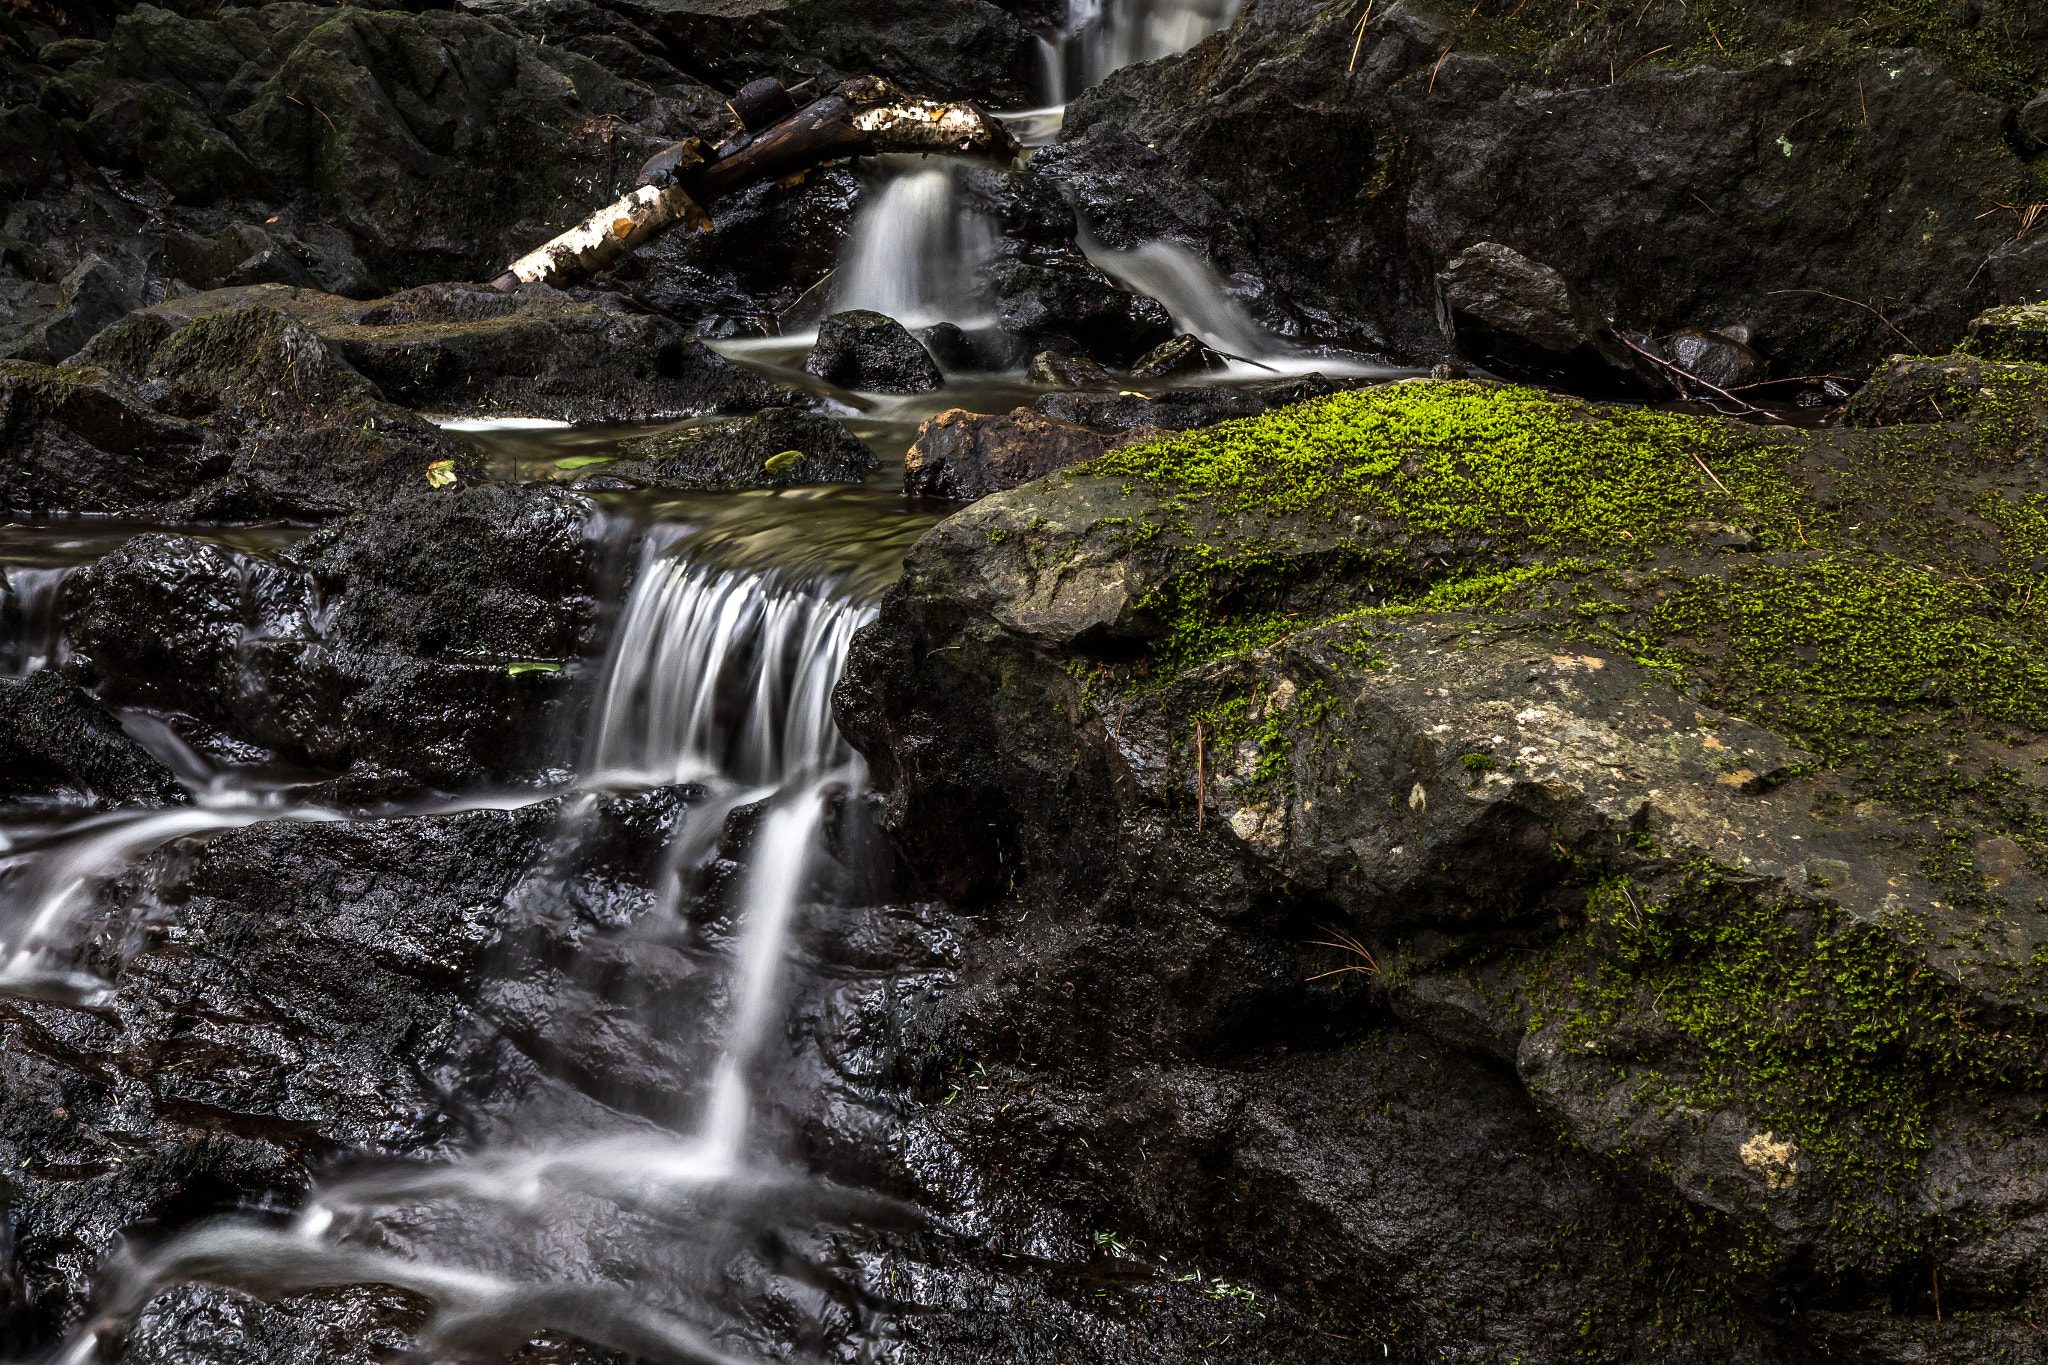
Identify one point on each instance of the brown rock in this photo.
(965, 455)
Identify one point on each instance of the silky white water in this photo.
(917, 248)
(717, 678)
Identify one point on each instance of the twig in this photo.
(1639, 61)
(1864, 306)
(1862, 101)
(1708, 472)
(1246, 360)
(1201, 781)
(316, 109)
(1363, 20)
(1795, 379)
(1705, 205)
(1716, 37)
(1439, 66)
(1686, 376)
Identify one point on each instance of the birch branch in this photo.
(867, 116)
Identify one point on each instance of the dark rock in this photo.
(859, 349)
(1181, 409)
(949, 345)
(274, 423)
(1438, 135)
(471, 350)
(2033, 119)
(2017, 332)
(747, 453)
(54, 736)
(91, 296)
(1058, 369)
(1069, 298)
(1523, 321)
(962, 455)
(1182, 355)
(383, 645)
(1950, 388)
(1723, 360)
(1420, 779)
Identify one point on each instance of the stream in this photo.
(644, 1234)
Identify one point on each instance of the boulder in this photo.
(1183, 355)
(1434, 131)
(381, 649)
(92, 295)
(2016, 332)
(1722, 358)
(1265, 736)
(963, 455)
(1523, 321)
(470, 350)
(775, 448)
(859, 349)
(949, 345)
(1059, 370)
(1066, 298)
(56, 738)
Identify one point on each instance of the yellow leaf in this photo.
(779, 462)
(441, 473)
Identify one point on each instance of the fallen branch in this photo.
(1688, 377)
(867, 116)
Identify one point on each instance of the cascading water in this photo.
(1099, 36)
(917, 248)
(717, 678)
(31, 623)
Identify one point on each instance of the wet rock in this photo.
(260, 415)
(1063, 371)
(1522, 320)
(959, 454)
(1950, 388)
(91, 296)
(1182, 409)
(949, 345)
(383, 646)
(1721, 358)
(2033, 119)
(775, 448)
(1182, 355)
(55, 737)
(859, 349)
(2016, 332)
(1067, 297)
(1437, 135)
(1421, 781)
(471, 350)
(80, 439)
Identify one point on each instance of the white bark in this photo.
(608, 236)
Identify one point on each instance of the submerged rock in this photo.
(1057, 369)
(56, 738)
(1721, 358)
(859, 349)
(775, 448)
(1182, 355)
(1068, 299)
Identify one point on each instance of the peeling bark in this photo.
(865, 117)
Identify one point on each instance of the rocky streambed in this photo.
(1387, 704)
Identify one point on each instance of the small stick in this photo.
(1705, 205)
(1708, 472)
(1201, 781)
(1862, 101)
(1439, 66)
(1685, 375)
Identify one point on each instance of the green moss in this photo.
(1821, 1029)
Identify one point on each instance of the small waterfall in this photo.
(716, 677)
(1099, 36)
(1192, 292)
(31, 620)
(917, 248)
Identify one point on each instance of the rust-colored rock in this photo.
(966, 455)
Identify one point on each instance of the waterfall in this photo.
(1192, 292)
(917, 248)
(1099, 36)
(31, 620)
(715, 677)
